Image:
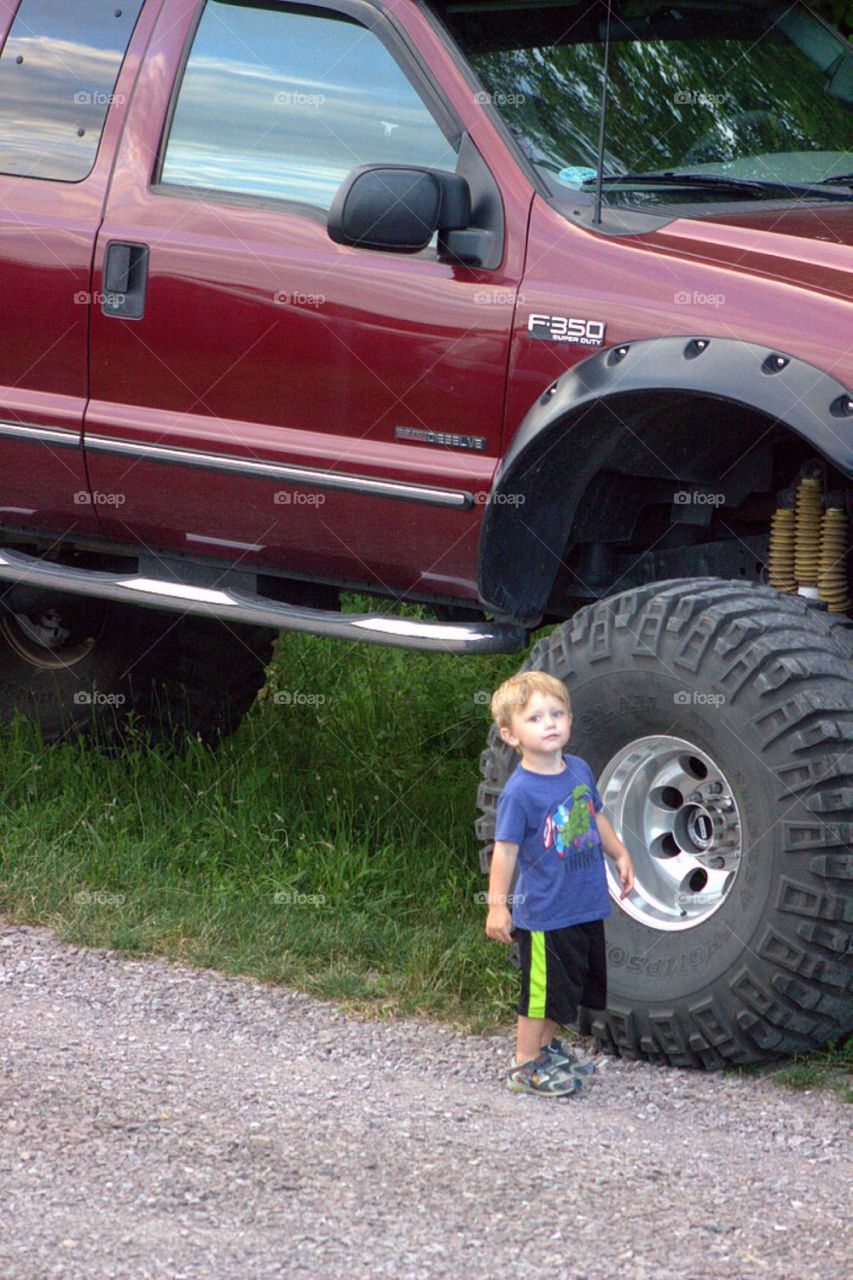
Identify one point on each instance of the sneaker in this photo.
(544, 1076)
(578, 1066)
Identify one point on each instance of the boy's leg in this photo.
(531, 1036)
(549, 1030)
(534, 1030)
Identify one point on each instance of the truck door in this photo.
(261, 394)
(64, 79)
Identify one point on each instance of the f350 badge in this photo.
(585, 333)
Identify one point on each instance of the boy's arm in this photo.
(615, 849)
(499, 920)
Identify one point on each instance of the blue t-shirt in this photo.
(551, 817)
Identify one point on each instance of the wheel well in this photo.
(690, 489)
(688, 411)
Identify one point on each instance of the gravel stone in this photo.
(163, 1122)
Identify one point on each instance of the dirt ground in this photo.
(168, 1122)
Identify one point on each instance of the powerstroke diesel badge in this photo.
(586, 333)
(449, 438)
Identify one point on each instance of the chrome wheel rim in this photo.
(674, 809)
(46, 640)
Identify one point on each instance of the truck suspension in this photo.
(807, 547)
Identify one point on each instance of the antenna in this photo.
(599, 163)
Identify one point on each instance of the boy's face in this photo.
(541, 728)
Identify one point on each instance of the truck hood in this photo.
(811, 246)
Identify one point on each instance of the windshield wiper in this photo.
(839, 180)
(718, 181)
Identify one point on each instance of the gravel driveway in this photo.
(163, 1121)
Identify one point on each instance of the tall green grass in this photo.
(328, 845)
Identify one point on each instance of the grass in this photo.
(328, 845)
(829, 1068)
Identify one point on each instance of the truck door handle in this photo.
(125, 279)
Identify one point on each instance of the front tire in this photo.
(718, 718)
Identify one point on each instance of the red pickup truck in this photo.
(523, 312)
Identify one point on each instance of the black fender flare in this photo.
(578, 422)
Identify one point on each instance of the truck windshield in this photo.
(736, 90)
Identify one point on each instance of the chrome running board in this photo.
(234, 606)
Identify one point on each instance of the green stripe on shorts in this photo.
(536, 997)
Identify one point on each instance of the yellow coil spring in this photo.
(780, 558)
(806, 549)
(832, 576)
(807, 532)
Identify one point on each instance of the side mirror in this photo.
(396, 208)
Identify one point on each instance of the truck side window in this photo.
(58, 71)
(284, 102)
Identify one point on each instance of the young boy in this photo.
(549, 820)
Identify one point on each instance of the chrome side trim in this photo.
(67, 436)
(313, 476)
(401, 633)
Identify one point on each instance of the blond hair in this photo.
(515, 693)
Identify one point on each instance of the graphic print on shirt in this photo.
(568, 827)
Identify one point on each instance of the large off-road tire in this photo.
(75, 664)
(718, 719)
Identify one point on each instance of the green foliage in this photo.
(328, 845)
(831, 1068)
(837, 12)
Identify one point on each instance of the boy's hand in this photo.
(498, 924)
(625, 867)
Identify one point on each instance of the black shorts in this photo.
(562, 969)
